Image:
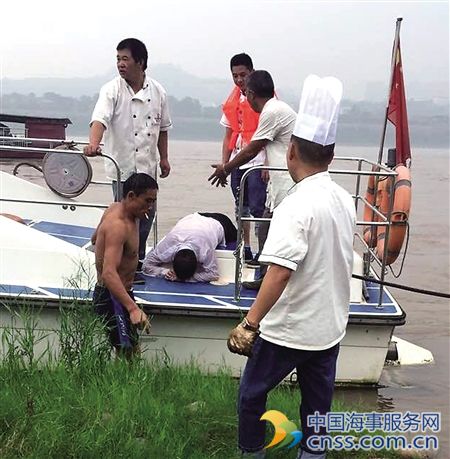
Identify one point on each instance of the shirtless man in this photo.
(116, 241)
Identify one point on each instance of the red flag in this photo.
(397, 114)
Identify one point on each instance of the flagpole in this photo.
(394, 54)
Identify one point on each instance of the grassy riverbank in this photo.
(83, 404)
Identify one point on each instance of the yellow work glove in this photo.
(241, 339)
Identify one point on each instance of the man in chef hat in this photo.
(301, 311)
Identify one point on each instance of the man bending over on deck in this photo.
(116, 241)
(190, 248)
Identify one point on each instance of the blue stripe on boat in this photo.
(158, 291)
(64, 230)
(17, 290)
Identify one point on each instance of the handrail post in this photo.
(238, 251)
(379, 171)
(386, 238)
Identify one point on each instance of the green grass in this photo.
(83, 404)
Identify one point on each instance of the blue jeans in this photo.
(254, 192)
(268, 366)
(144, 225)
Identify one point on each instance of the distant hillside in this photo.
(208, 91)
(418, 90)
(67, 87)
(177, 82)
(195, 106)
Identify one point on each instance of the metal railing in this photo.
(384, 220)
(13, 136)
(69, 143)
(59, 143)
(371, 255)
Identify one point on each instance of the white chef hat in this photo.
(319, 110)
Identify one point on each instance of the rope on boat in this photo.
(397, 275)
(34, 166)
(402, 287)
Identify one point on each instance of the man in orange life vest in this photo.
(240, 122)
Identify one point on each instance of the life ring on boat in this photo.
(370, 232)
(374, 199)
(399, 216)
(67, 174)
(14, 217)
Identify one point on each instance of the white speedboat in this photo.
(46, 263)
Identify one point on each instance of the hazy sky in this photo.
(351, 40)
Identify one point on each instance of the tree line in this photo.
(360, 121)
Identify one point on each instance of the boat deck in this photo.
(74, 234)
(162, 296)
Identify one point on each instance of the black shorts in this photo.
(121, 332)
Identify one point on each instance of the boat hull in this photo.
(191, 321)
(185, 336)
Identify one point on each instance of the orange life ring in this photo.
(370, 232)
(399, 216)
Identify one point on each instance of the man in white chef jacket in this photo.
(301, 311)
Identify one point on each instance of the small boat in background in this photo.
(30, 132)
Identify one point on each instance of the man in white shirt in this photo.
(189, 248)
(301, 310)
(132, 114)
(275, 126)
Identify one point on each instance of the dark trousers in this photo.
(254, 192)
(144, 225)
(269, 365)
(123, 335)
(228, 227)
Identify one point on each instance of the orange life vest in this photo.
(242, 118)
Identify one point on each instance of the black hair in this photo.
(184, 264)
(260, 82)
(139, 183)
(313, 153)
(241, 59)
(137, 50)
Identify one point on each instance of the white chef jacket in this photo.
(133, 123)
(311, 233)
